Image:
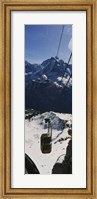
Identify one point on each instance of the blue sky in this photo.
(41, 42)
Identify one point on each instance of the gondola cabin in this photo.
(46, 139)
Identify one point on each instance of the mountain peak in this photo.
(47, 86)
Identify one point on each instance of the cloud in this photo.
(68, 29)
(70, 45)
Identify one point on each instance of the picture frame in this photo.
(5, 97)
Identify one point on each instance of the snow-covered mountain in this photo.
(60, 158)
(31, 68)
(48, 86)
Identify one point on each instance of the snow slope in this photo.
(34, 128)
